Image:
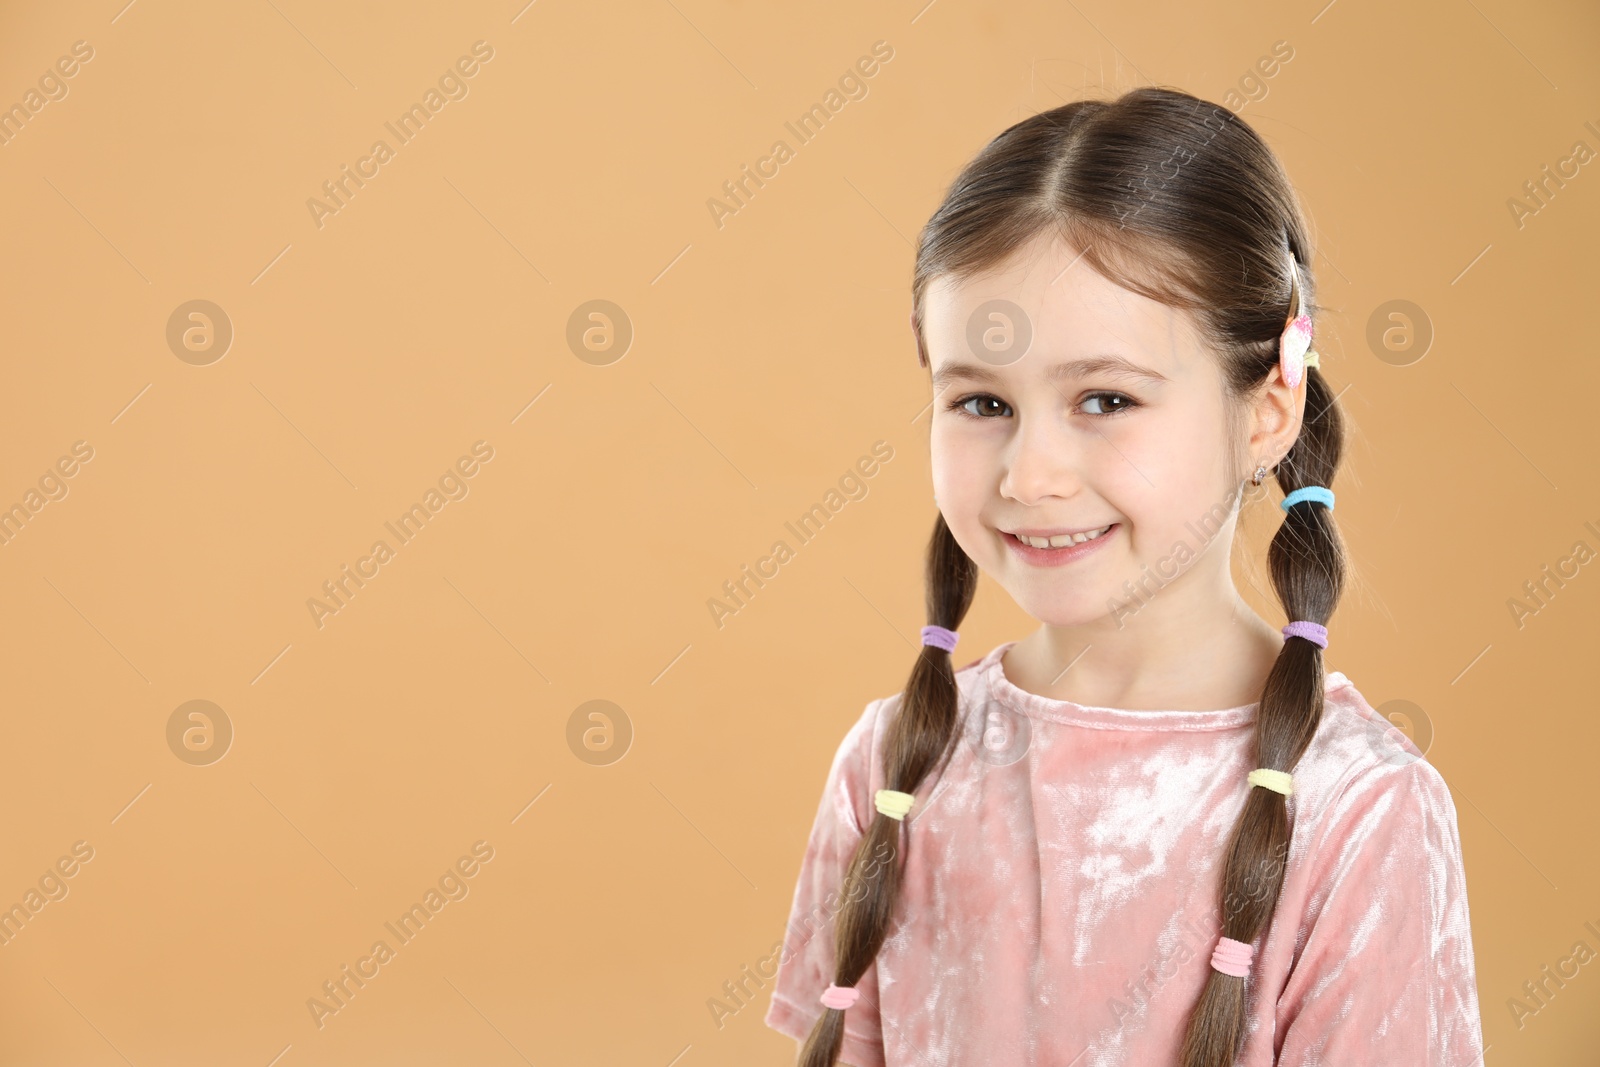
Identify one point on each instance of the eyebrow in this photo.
(1119, 366)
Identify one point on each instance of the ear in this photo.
(1276, 417)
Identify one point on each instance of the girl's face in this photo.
(1113, 416)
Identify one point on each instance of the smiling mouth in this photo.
(1062, 540)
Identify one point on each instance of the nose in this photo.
(1042, 462)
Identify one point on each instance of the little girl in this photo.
(1156, 831)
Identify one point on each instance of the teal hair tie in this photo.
(1311, 492)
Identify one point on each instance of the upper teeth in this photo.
(1062, 539)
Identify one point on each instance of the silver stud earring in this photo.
(1261, 472)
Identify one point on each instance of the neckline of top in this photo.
(992, 671)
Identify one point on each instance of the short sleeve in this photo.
(1385, 973)
(806, 965)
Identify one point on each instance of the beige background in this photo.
(768, 355)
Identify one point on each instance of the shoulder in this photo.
(852, 773)
(1361, 766)
(872, 728)
(970, 679)
(857, 771)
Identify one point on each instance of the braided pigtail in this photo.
(919, 740)
(1307, 563)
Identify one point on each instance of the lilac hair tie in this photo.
(1314, 632)
(1232, 957)
(939, 637)
(839, 996)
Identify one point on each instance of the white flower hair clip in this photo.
(1294, 344)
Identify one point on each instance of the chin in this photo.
(1077, 610)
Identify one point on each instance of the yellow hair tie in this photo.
(893, 803)
(1311, 359)
(1277, 781)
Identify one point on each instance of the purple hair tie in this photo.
(1314, 632)
(939, 637)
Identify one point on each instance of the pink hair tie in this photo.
(839, 996)
(1232, 957)
(1314, 632)
(939, 637)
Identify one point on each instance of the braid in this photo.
(1307, 562)
(919, 739)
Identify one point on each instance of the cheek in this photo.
(958, 462)
(959, 489)
(1134, 461)
(1168, 479)
(963, 484)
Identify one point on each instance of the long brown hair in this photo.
(1181, 201)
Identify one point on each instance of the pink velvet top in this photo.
(1061, 892)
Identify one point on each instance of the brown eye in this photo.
(1119, 403)
(981, 400)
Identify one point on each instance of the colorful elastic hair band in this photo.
(1314, 632)
(939, 637)
(840, 996)
(1232, 957)
(1277, 781)
(893, 803)
(1318, 493)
